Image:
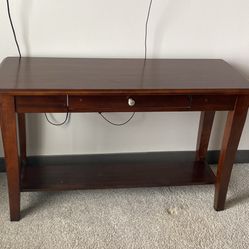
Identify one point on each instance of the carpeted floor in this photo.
(175, 217)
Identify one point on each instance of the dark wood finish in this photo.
(148, 103)
(39, 76)
(96, 85)
(9, 133)
(120, 103)
(22, 137)
(213, 102)
(41, 104)
(205, 127)
(114, 175)
(234, 126)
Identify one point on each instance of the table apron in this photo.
(121, 103)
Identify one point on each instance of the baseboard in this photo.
(2, 167)
(241, 157)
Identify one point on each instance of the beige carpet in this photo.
(176, 217)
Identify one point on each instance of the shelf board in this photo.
(125, 174)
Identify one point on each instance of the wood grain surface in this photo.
(68, 75)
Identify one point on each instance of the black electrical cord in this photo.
(117, 124)
(145, 58)
(58, 124)
(13, 28)
(20, 55)
(68, 114)
(146, 29)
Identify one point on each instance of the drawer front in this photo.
(122, 103)
(213, 102)
(38, 104)
(129, 103)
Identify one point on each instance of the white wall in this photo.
(115, 28)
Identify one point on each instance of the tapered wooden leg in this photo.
(10, 143)
(233, 130)
(205, 127)
(22, 137)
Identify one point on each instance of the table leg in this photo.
(22, 137)
(9, 134)
(233, 130)
(205, 127)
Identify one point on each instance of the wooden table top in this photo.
(77, 75)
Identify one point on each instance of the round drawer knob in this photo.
(131, 102)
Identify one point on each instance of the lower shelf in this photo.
(113, 174)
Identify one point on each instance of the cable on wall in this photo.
(68, 114)
(146, 29)
(20, 55)
(13, 28)
(117, 124)
(145, 58)
(58, 124)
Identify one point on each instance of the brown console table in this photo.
(43, 85)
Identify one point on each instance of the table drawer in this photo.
(38, 104)
(213, 102)
(129, 103)
(123, 103)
